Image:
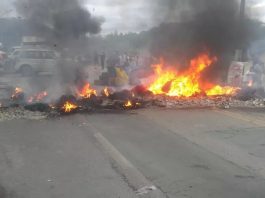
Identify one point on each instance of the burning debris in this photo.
(68, 107)
(106, 92)
(87, 92)
(89, 101)
(179, 81)
(84, 99)
(38, 97)
(219, 91)
(169, 87)
(128, 104)
(17, 94)
(170, 82)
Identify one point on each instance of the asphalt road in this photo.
(177, 152)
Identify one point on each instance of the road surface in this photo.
(198, 153)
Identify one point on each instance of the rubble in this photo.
(15, 113)
(203, 102)
(249, 103)
(110, 101)
(41, 111)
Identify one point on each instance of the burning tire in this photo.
(67, 104)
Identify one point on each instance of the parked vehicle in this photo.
(29, 61)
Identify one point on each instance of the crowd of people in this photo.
(121, 68)
(125, 60)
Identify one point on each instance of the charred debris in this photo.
(90, 101)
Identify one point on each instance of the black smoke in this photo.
(64, 24)
(193, 26)
(58, 19)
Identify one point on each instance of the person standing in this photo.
(96, 57)
(102, 60)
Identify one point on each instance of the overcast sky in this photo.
(129, 15)
(137, 15)
(258, 9)
(122, 15)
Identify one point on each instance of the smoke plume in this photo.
(64, 24)
(58, 19)
(192, 26)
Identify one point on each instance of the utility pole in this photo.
(242, 9)
(241, 53)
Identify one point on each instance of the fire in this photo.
(41, 95)
(128, 104)
(31, 99)
(106, 91)
(87, 91)
(69, 107)
(218, 90)
(17, 92)
(38, 97)
(188, 83)
(250, 83)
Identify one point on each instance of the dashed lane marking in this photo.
(134, 177)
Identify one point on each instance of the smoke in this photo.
(58, 19)
(64, 24)
(196, 24)
(192, 26)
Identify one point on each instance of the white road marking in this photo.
(145, 190)
(116, 155)
(142, 186)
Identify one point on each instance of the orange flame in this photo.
(41, 95)
(17, 92)
(38, 97)
(188, 83)
(218, 91)
(69, 107)
(87, 91)
(250, 83)
(128, 104)
(106, 91)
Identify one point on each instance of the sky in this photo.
(130, 15)
(122, 15)
(258, 9)
(137, 15)
(6, 8)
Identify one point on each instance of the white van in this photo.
(29, 61)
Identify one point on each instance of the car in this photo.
(29, 61)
